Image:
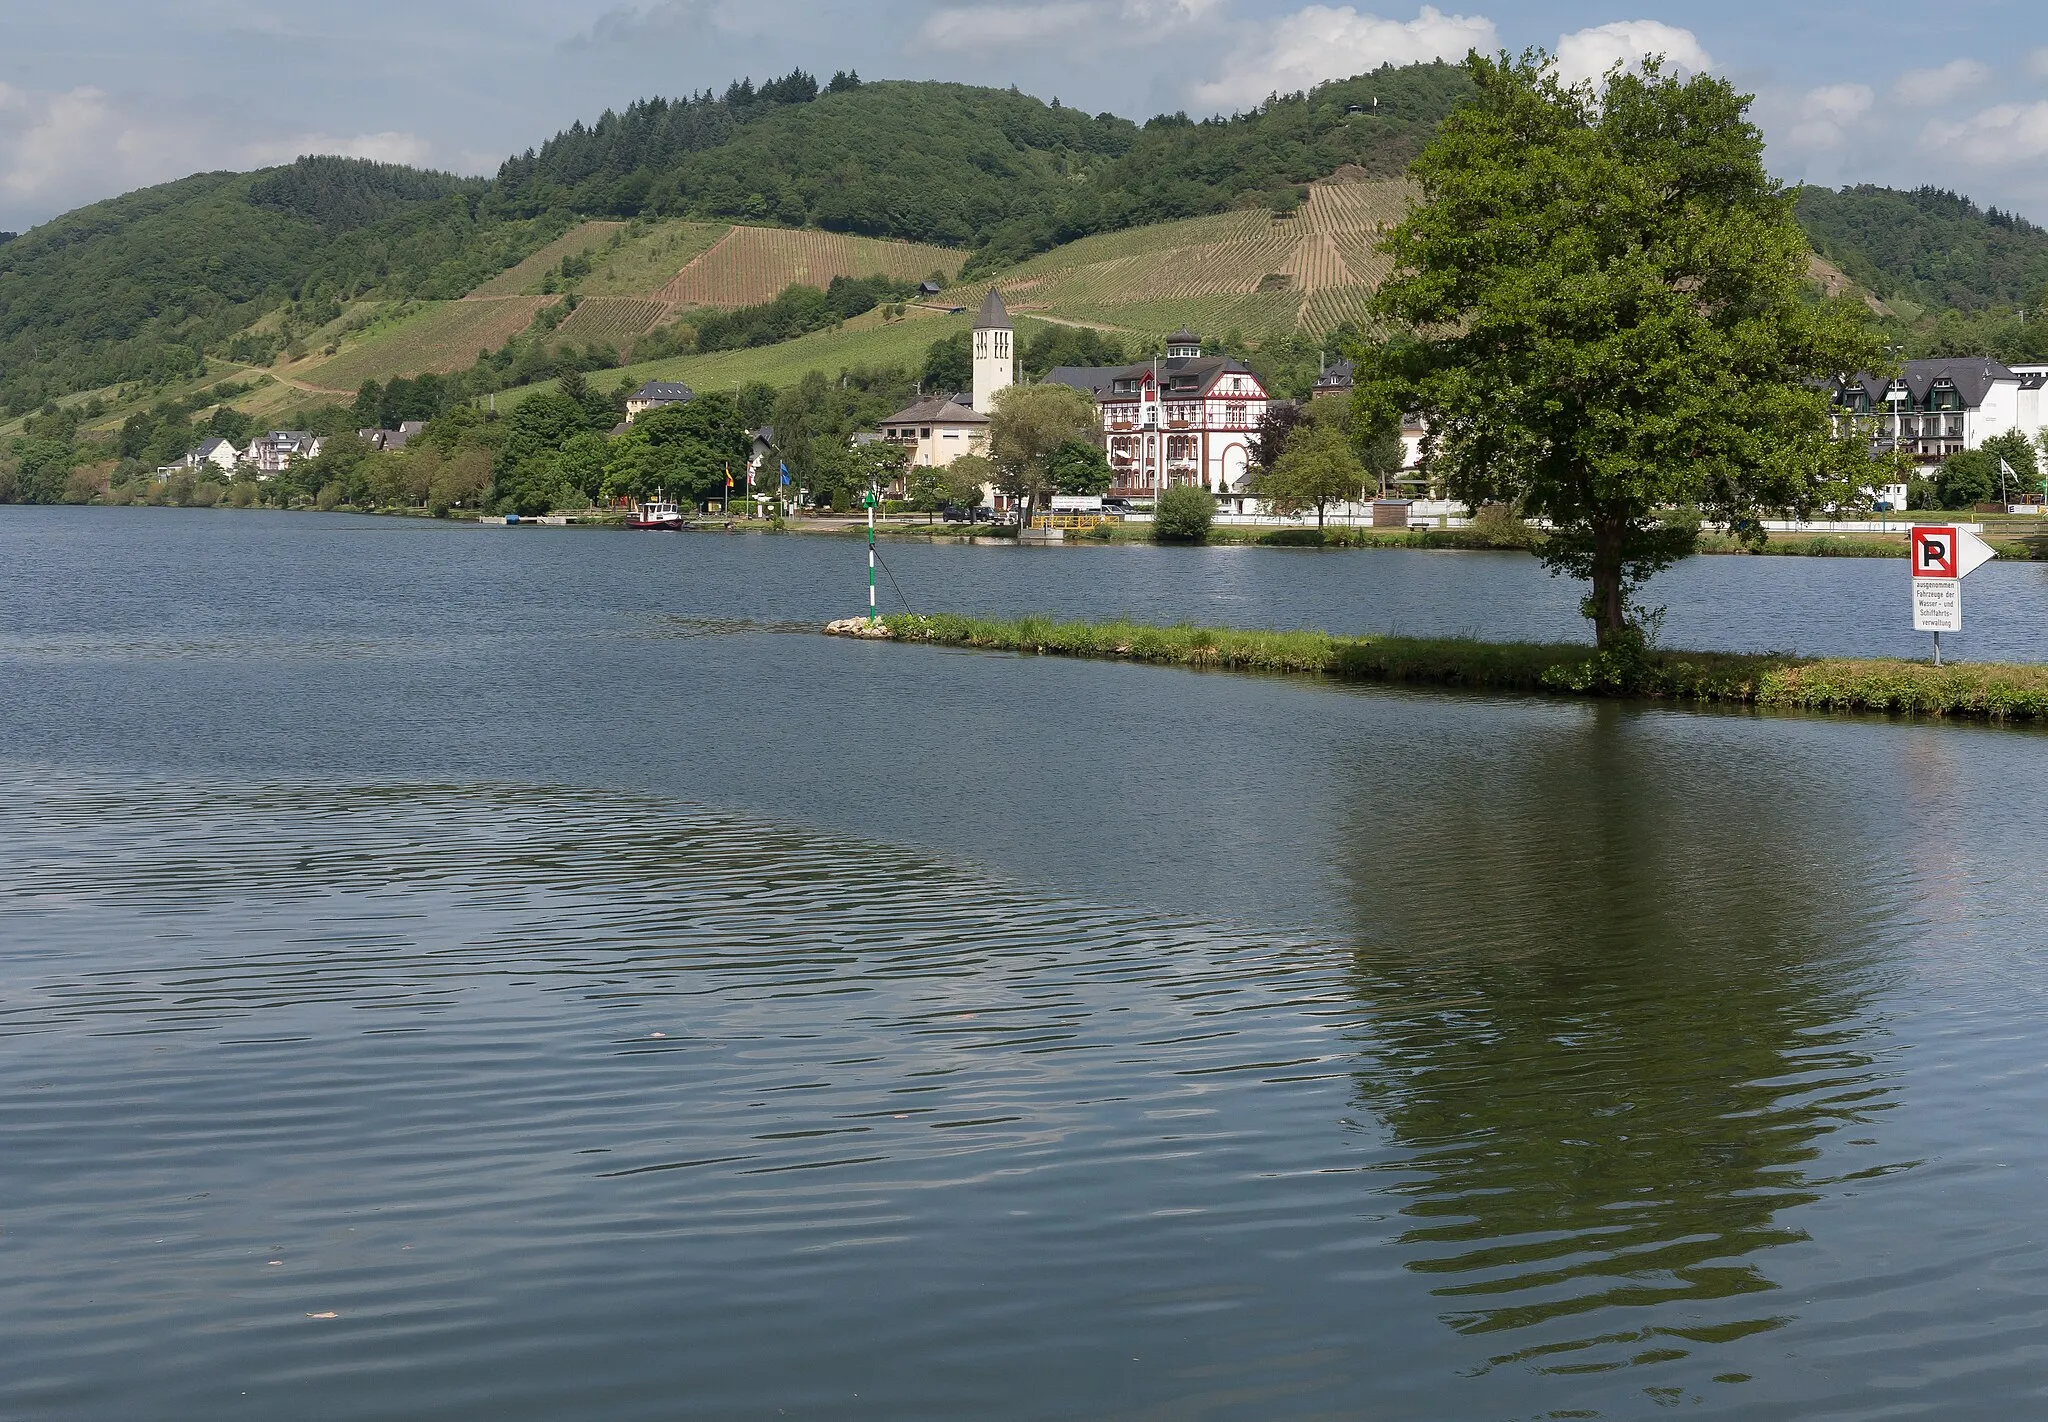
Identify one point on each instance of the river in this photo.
(529, 974)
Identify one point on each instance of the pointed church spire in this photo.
(994, 315)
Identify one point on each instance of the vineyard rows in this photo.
(614, 320)
(643, 264)
(750, 265)
(1219, 272)
(444, 336)
(514, 280)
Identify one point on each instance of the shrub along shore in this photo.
(1990, 691)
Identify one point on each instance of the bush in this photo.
(1502, 527)
(1182, 514)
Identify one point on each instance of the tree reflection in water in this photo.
(1614, 974)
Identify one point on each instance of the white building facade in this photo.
(1187, 419)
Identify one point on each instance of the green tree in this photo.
(948, 365)
(924, 489)
(1317, 469)
(1028, 426)
(1610, 298)
(1182, 514)
(1080, 467)
(1966, 479)
(967, 481)
(2018, 453)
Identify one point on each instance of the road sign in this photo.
(1942, 556)
(1937, 604)
(1944, 551)
(1934, 552)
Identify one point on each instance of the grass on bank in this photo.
(1983, 690)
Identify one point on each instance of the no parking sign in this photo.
(1942, 556)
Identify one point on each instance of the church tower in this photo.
(995, 357)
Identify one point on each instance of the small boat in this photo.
(657, 512)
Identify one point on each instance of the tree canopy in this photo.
(1029, 427)
(1611, 320)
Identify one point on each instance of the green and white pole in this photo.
(870, 501)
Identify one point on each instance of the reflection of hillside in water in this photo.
(1613, 990)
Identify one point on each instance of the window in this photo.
(924, 434)
(1233, 415)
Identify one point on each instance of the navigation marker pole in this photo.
(870, 501)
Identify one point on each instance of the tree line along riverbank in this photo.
(1980, 691)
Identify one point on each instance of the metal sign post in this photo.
(1942, 556)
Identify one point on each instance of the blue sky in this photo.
(95, 100)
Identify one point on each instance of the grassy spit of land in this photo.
(1978, 691)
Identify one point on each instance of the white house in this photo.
(1187, 419)
(936, 431)
(656, 393)
(1936, 408)
(279, 450)
(214, 451)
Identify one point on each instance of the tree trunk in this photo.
(1319, 515)
(1610, 613)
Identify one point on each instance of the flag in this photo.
(785, 474)
(728, 478)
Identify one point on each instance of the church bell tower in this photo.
(995, 357)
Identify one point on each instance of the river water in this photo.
(515, 973)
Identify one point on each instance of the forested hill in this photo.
(1933, 248)
(138, 288)
(143, 287)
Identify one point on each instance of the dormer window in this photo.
(1183, 345)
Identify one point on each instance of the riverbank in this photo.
(2023, 541)
(1987, 691)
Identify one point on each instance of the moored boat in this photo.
(657, 512)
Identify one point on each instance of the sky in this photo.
(98, 99)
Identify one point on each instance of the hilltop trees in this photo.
(1609, 297)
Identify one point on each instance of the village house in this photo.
(1186, 419)
(655, 394)
(279, 450)
(391, 441)
(936, 431)
(215, 452)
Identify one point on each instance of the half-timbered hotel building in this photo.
(1186, 419)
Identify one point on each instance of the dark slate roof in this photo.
(208, 446)
(939, 410)
(994, 315)
(1972, 376)
(1336, 377)
(1198, 372)
(1183, 337)
(673, 391)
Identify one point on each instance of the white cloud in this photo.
(55, 145)
(1926, 88)
(2002, 136)
(1325, 42)
(61, 149)
(1590, 53)
(967, 29)
(974, 29)
(2037, 63)
(1826, 116)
